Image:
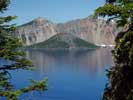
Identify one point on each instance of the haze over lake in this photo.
(72, 75)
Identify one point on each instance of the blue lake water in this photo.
(72, 75)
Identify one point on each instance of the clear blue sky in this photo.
(54, 10)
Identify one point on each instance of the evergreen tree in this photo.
(10, 50)
(120, 86)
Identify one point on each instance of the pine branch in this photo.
(36, 86)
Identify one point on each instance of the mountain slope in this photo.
(64, 40)
(95, 31)
(36, 31)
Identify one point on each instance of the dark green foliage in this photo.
(23, 38)
(83, 44)
(53, 42)
(63, 41)
(10, 50)
(13, 94)
(120, 86)
(4, 4)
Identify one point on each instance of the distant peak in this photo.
(39, 18)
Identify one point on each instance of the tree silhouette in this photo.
(120, 86)
(10, 49)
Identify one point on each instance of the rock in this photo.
(36, 31)
(95, 31)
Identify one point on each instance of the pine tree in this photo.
(10, 49)
(120, 85)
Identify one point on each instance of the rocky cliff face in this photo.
(96, 31)
(36, 31)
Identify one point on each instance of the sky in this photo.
(57, 11)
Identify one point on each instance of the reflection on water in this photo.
(93, 61)
(73, 75)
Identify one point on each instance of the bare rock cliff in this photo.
(95, 31)
(36, 31)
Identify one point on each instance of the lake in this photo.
(72, 75)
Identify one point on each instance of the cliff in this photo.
(95, 31)
(36, 31)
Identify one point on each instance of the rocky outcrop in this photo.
(95, 31)
(36, 31)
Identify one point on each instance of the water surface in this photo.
(72, 75)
